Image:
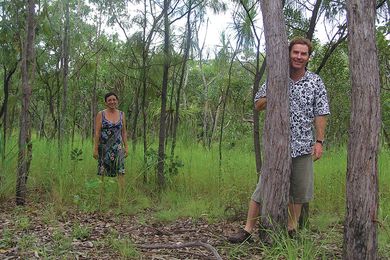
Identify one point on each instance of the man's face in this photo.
(299, 56)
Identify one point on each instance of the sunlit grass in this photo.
(200, 189)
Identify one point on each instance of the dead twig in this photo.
(209, 247)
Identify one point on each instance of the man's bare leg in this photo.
(245, 234)
(253, 215)
(294, 212)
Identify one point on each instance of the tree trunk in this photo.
(313, 20)
(162, 132)
(65, 69)
(182, 77)
(4, 106)
(277, 164)
(27, 71)
(133, 126)
(256, 124)
(224, 101)
(94, 109)
(360, 227)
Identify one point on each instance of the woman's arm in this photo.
(124, 134)
(98, 129)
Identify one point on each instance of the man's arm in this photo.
(320, 125)
(261, 104)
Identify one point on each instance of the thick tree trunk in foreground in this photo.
(277, 164)
(27, 71)
(360, 228)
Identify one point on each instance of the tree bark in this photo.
(162, 132)
(94, 101)
(4, 106)
(277, 164)
(313, 20)
(27, 71)
(360, 228)
(65, 70)
(182, 77)
(256, 119)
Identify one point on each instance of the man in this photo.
(308, 104)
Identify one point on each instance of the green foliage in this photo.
(6, 240)
(124, 246)
(302, 247)
(80, 232)
(23, 222)
(27, 242)
(75, 155)
(62, 243)
(171, 164)
(336, 79)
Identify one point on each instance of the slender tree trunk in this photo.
(206, 111)
(277, 164)
(144, 74)
(161, 145)
(27, 71)
(258, 75)
(65, 69)
(224, 101)
(4, 107)
(95, 84)
(256, 121)
(313, 20)
(360, 228)
(135, 117)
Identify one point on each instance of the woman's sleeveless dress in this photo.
(111, 154)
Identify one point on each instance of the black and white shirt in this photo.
(308, 99)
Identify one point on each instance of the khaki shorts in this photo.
(301, 181)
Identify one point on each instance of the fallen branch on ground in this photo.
(209, 247)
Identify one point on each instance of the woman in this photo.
(110, 147)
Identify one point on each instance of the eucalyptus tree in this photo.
(167, 50)
(162, 125)
(207, 118)
(187, 46)
(360, 227)
(27, 72)
(245, 26)
(276, 138)
(10, 28)
(225, 93)
(65, 75)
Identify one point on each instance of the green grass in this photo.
(200, 189)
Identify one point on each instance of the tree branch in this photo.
(209, 247)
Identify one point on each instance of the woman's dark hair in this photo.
(110, 94)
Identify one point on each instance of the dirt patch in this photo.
(35, 232)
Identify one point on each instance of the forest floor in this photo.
(34, 232)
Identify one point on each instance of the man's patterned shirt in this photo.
(308, 99)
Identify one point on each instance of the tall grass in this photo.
(200, 189)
